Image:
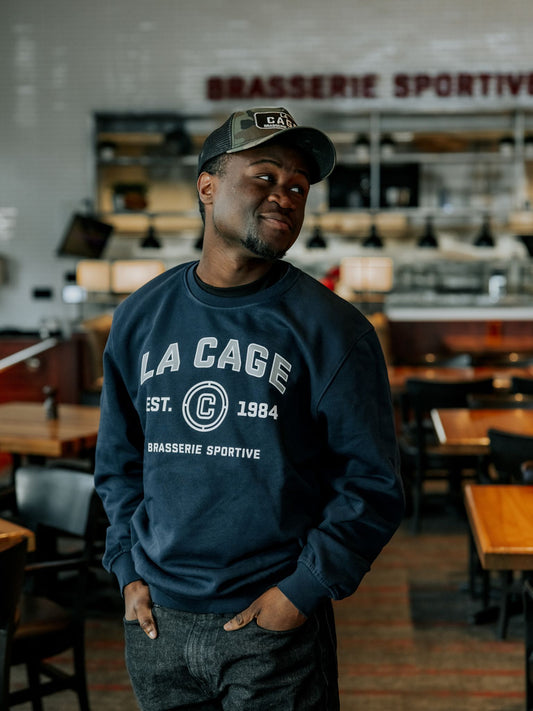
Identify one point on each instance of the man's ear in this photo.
(204, 185)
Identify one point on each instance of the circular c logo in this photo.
(205, 406)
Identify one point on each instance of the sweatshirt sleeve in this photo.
(118, 467)
(366, 503)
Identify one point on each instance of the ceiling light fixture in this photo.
(150, 240)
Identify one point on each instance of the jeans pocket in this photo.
(289, 632)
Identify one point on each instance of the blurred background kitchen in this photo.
(104, 107)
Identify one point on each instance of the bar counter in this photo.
(422, 323)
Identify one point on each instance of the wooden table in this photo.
(500, 516)
(10, 530)
(24, 429)
(461, 427)
(502, 531)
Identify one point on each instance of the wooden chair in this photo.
(503, 360)
(528, 634)
(423, 458)
(56, 503)
(520, 384)
(527, 471)
(12, 562)
(508, 453)
(439, 360)
(59, 502)
(500, 400)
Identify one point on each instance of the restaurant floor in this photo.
(405, 641)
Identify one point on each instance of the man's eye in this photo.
(298, 189)
(265, 176)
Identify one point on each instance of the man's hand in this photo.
(272, 610)
(138, 604)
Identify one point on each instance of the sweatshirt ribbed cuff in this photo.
(303, 590)
(124, 570)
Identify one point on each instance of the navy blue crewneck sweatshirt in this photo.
(244, 442)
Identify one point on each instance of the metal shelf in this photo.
(148, 161)
(439, 158)
(344, 128)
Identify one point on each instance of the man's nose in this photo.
(282, 196)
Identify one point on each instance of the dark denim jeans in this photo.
(195, 664)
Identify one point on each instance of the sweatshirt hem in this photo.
(202, 605)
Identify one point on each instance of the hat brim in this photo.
(311, 141)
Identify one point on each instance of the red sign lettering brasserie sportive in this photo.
(371, 86)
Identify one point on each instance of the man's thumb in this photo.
(241, 619)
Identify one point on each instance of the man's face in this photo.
(259, 200)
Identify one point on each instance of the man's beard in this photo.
(255, 245)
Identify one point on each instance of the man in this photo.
(246, 456)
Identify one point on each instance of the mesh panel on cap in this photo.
(216, 143)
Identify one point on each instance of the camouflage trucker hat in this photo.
(250, 128)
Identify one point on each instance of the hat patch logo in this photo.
(274, 120)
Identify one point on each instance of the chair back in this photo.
(423, 395)
(61, 499)
(510, 359)
(438, 360)
(508, 451)
(422, 454)
(500, 401)
(12, 562)
(520, 384)
(426, 394)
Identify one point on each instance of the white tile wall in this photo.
(62, 59)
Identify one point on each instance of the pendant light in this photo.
(316, 241)
(428, 238)
(150, 240)
(374, 239)
(485, 238)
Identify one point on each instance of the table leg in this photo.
(501, 612)
(16, 462)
